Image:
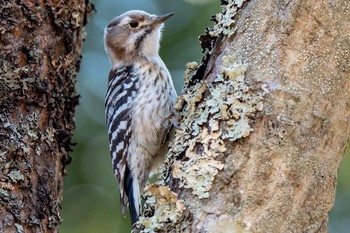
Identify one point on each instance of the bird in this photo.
(138, 102)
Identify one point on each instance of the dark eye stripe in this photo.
(140, 39)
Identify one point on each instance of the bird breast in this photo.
(153, 104)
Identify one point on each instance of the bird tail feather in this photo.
(133, 192)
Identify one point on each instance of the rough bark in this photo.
(40, 44)
(265, 123)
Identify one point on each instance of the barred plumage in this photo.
(138, 102)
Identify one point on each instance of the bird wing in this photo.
(121, 91)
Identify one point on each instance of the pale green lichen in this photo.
(199, 171)
(225, 22)
(4, 194)
(19, 228)
(2, 153)
(191, 68)
(162, 210)
(16, 176)
(212, 113)
(27, 127)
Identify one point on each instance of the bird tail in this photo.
(133, 192)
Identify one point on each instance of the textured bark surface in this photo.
(265, 123)
(40, 44)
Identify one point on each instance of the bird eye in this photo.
(134, 24)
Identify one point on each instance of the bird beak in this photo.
(161, 18)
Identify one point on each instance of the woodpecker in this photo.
(139, 100)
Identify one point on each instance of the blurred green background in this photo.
(91, 198)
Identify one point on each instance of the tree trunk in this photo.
(40, 44)
(265, 123)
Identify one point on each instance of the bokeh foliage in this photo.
(91, 197)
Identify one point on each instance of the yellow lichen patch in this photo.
(199, 94)
(191, 67)
(162, 207)
(50, 134)
(179, 103)
(232, 68)
(224, 113)
(7, 186)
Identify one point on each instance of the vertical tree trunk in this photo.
(265, 123)
(40, 45)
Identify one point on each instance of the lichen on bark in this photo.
(212, 112)
(279, 173)
(40, 45)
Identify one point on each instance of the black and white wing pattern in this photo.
(121, 92)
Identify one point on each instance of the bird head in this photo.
(132, 35)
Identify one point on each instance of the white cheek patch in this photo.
(150, 45)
